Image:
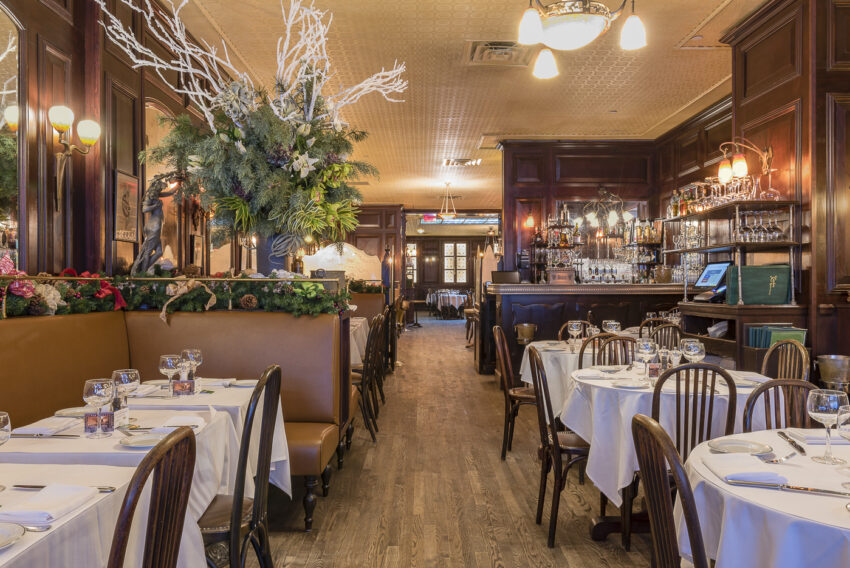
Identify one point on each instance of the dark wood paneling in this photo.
(772, 57)
(579, 169)
(62, 8)
(715, 134)
(838, 38)
(382, 226)
(780, 130)
(529, 168)
(838, 190)
(688, 148)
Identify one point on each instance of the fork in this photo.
(776, 460)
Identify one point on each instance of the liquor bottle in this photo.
(673, 206)
(683, 203)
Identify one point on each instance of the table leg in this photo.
(602, 526)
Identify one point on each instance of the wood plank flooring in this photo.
(433, 491)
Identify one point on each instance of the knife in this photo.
(101, 489)
(45, 435)
(793, 443)
(786, 487)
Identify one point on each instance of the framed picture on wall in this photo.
(126, 220)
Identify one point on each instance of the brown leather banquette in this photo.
(45, 361)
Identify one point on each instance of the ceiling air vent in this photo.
(461, 162)
(499, 53)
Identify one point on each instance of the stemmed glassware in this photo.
(744, 230)
(98, 392)
(611, 326)
(675, 357)
(193, 358)
(651, 315)
(842, 425)
(645, 349)
(574, 328)
(823, 406)
(694, 351)
(126, 381)
(169, 365)
(5, 429)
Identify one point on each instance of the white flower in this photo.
(224, 136)
(304, 129)
(310, 142)
(51, 296)
(303, 164)
(241, 147)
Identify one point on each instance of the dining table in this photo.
(217, 450)
(222, 394)
(359, 331)
(769, 527)
(446, 299)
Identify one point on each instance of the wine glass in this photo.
(574, 327)
(98, 392)
(675, 357)
(606, 326)
(842, 425)
(169, 365)
(694, 351)
(823, 406)
(645, 349)
(126, 381)
(194, 358)
(651, 315)
(5, 429)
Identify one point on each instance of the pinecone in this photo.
(192, 270)
(249, 302)
(36, 306)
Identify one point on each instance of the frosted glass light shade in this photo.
(633, 34)
(12, 114)
(612, 218)
(88, 131)
(573, 31)
(545, 67)
(530, 27)
(739, 166)
(627, 216)
(724, 172)
(61, 118)
(529, 221)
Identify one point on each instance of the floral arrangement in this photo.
(365, 287)
(272, 161)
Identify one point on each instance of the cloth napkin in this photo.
(180, 420)
(216, 382)
(815, 436)
(48, 426)
(48, 505)
(145, 390)
(742, 467)
(590, 374)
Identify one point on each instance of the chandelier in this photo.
(447, 209)
(572, 24)
(604, 215)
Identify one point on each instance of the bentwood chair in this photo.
(659, 462)
(231, 522)
(372, 362)
(558, 450)
(666, 335)
(788, 409)
(594, 342)
(515, 397)
(792, 360)
(563, 334)
(172, 462)
(647, 325)
(616, 350)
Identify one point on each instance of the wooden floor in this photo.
(433, 491)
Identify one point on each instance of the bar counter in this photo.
(549, 306)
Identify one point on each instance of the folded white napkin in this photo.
(815, 436)
(742, 467)
(180, 420)
(633, 329)
(145, 390)
(590, 374)
(48, 426)
(749, 376)
(48, 505)
(204, 382)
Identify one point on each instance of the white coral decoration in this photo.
(303, 164)
(211, 81)
(52, 297)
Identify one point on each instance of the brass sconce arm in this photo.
(739, 142)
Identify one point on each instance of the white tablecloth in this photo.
(445, 299)
(559, 362)
(602, 414)
(745, 526)
(359, 331)
(217, 450)
(234, 401)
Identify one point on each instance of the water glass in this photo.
(126, 381)
(645, 349)
(98, 392)
(675, 357)
(823, 406)
(169, 365)
(694, 351)
(574, 328)
(194, 358)
(651, 315)
(663, 356)
(5, 428)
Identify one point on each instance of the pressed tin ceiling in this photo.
(456, 109)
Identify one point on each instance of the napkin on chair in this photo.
(180, 420)
(815, 436)
(48, 505)
(742, 467)
(216, 382)
(48, 426)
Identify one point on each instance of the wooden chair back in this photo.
(617, 350)
(696, 386)
(647, 325)
(666, 335)
(172, 463)
(503, 359)
(594, 342)
(545, 416)
(786, 410)
(563, 334)
(659, 462)
(792, 360)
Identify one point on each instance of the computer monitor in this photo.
(505, 277)
(713, 275)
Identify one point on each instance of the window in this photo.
(410, 265)
(454, 263)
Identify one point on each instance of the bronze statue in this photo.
(151, 249)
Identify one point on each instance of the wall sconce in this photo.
(88, 131)
(529, 221)
(737, 167)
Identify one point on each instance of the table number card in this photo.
(107, 422)
(183, 388)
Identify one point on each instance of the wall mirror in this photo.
(10, 133)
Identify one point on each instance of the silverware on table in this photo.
(794, 444)
(45, 435)
(100, 488)
(37, 528)
(788, 487)
(774, 459)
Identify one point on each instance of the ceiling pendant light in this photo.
(545, 67)
(447, 210)
(530, 26)
(572, 24)
(633, 34)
